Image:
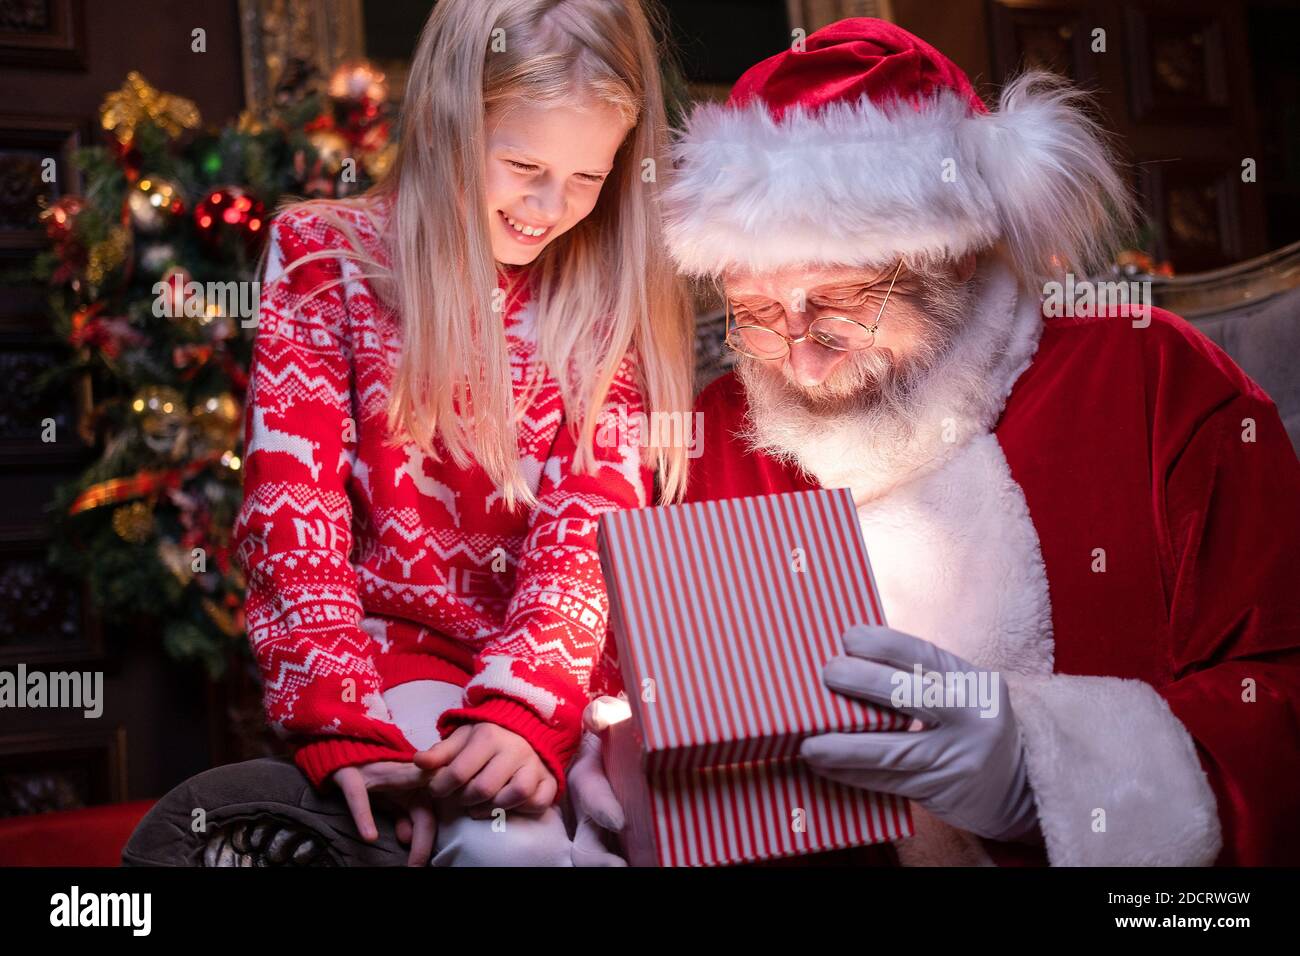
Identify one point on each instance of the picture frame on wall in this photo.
(49, 35)
(289, 46)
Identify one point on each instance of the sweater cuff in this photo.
(554, 745)
(320, 758)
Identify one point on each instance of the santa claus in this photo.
(1097, 515)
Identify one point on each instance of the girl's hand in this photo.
(406, 787)
(492, 768)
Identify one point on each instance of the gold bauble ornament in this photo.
(163, 417)
(154, 204)
(379, 162)
(133, 522)
(332, 148)
(218, 418)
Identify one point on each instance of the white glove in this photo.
(965, 767)
(595, 807)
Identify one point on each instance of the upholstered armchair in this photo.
(1252, 311)
(259, 813)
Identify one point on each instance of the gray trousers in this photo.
(266, 813)
(513, 840)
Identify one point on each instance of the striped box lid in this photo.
(726, 612)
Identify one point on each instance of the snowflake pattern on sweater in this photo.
(369, 565)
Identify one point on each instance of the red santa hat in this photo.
(869, 144)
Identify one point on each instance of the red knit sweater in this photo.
(368, 566)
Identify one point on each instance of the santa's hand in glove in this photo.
(966, 764)
(595, 807)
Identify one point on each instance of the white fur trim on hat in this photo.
(859, 184)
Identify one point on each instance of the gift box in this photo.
(723, 613)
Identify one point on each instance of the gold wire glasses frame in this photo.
(837, 332)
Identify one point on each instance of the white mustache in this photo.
(875, 391)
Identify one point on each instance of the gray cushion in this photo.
(1264, 339)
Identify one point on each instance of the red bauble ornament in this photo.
(58, 217)
(128, 157)
(178, 289)
(229, 211)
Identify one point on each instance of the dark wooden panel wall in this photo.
(1187, 87)
(57, 60)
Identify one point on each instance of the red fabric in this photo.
(727, 470)
(321, 757)
(370, 565)
(1202, 538)
(1130, 439)
(93, 836)
(852, 58)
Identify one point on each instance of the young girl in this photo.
(423, 475)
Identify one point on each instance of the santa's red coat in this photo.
(1149, 450)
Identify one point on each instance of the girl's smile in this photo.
(523, 232)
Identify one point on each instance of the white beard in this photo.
(872, 449)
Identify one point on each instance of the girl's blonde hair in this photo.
(602, 289)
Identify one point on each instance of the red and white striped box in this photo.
(724, 613)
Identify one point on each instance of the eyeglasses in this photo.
(837, 332)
